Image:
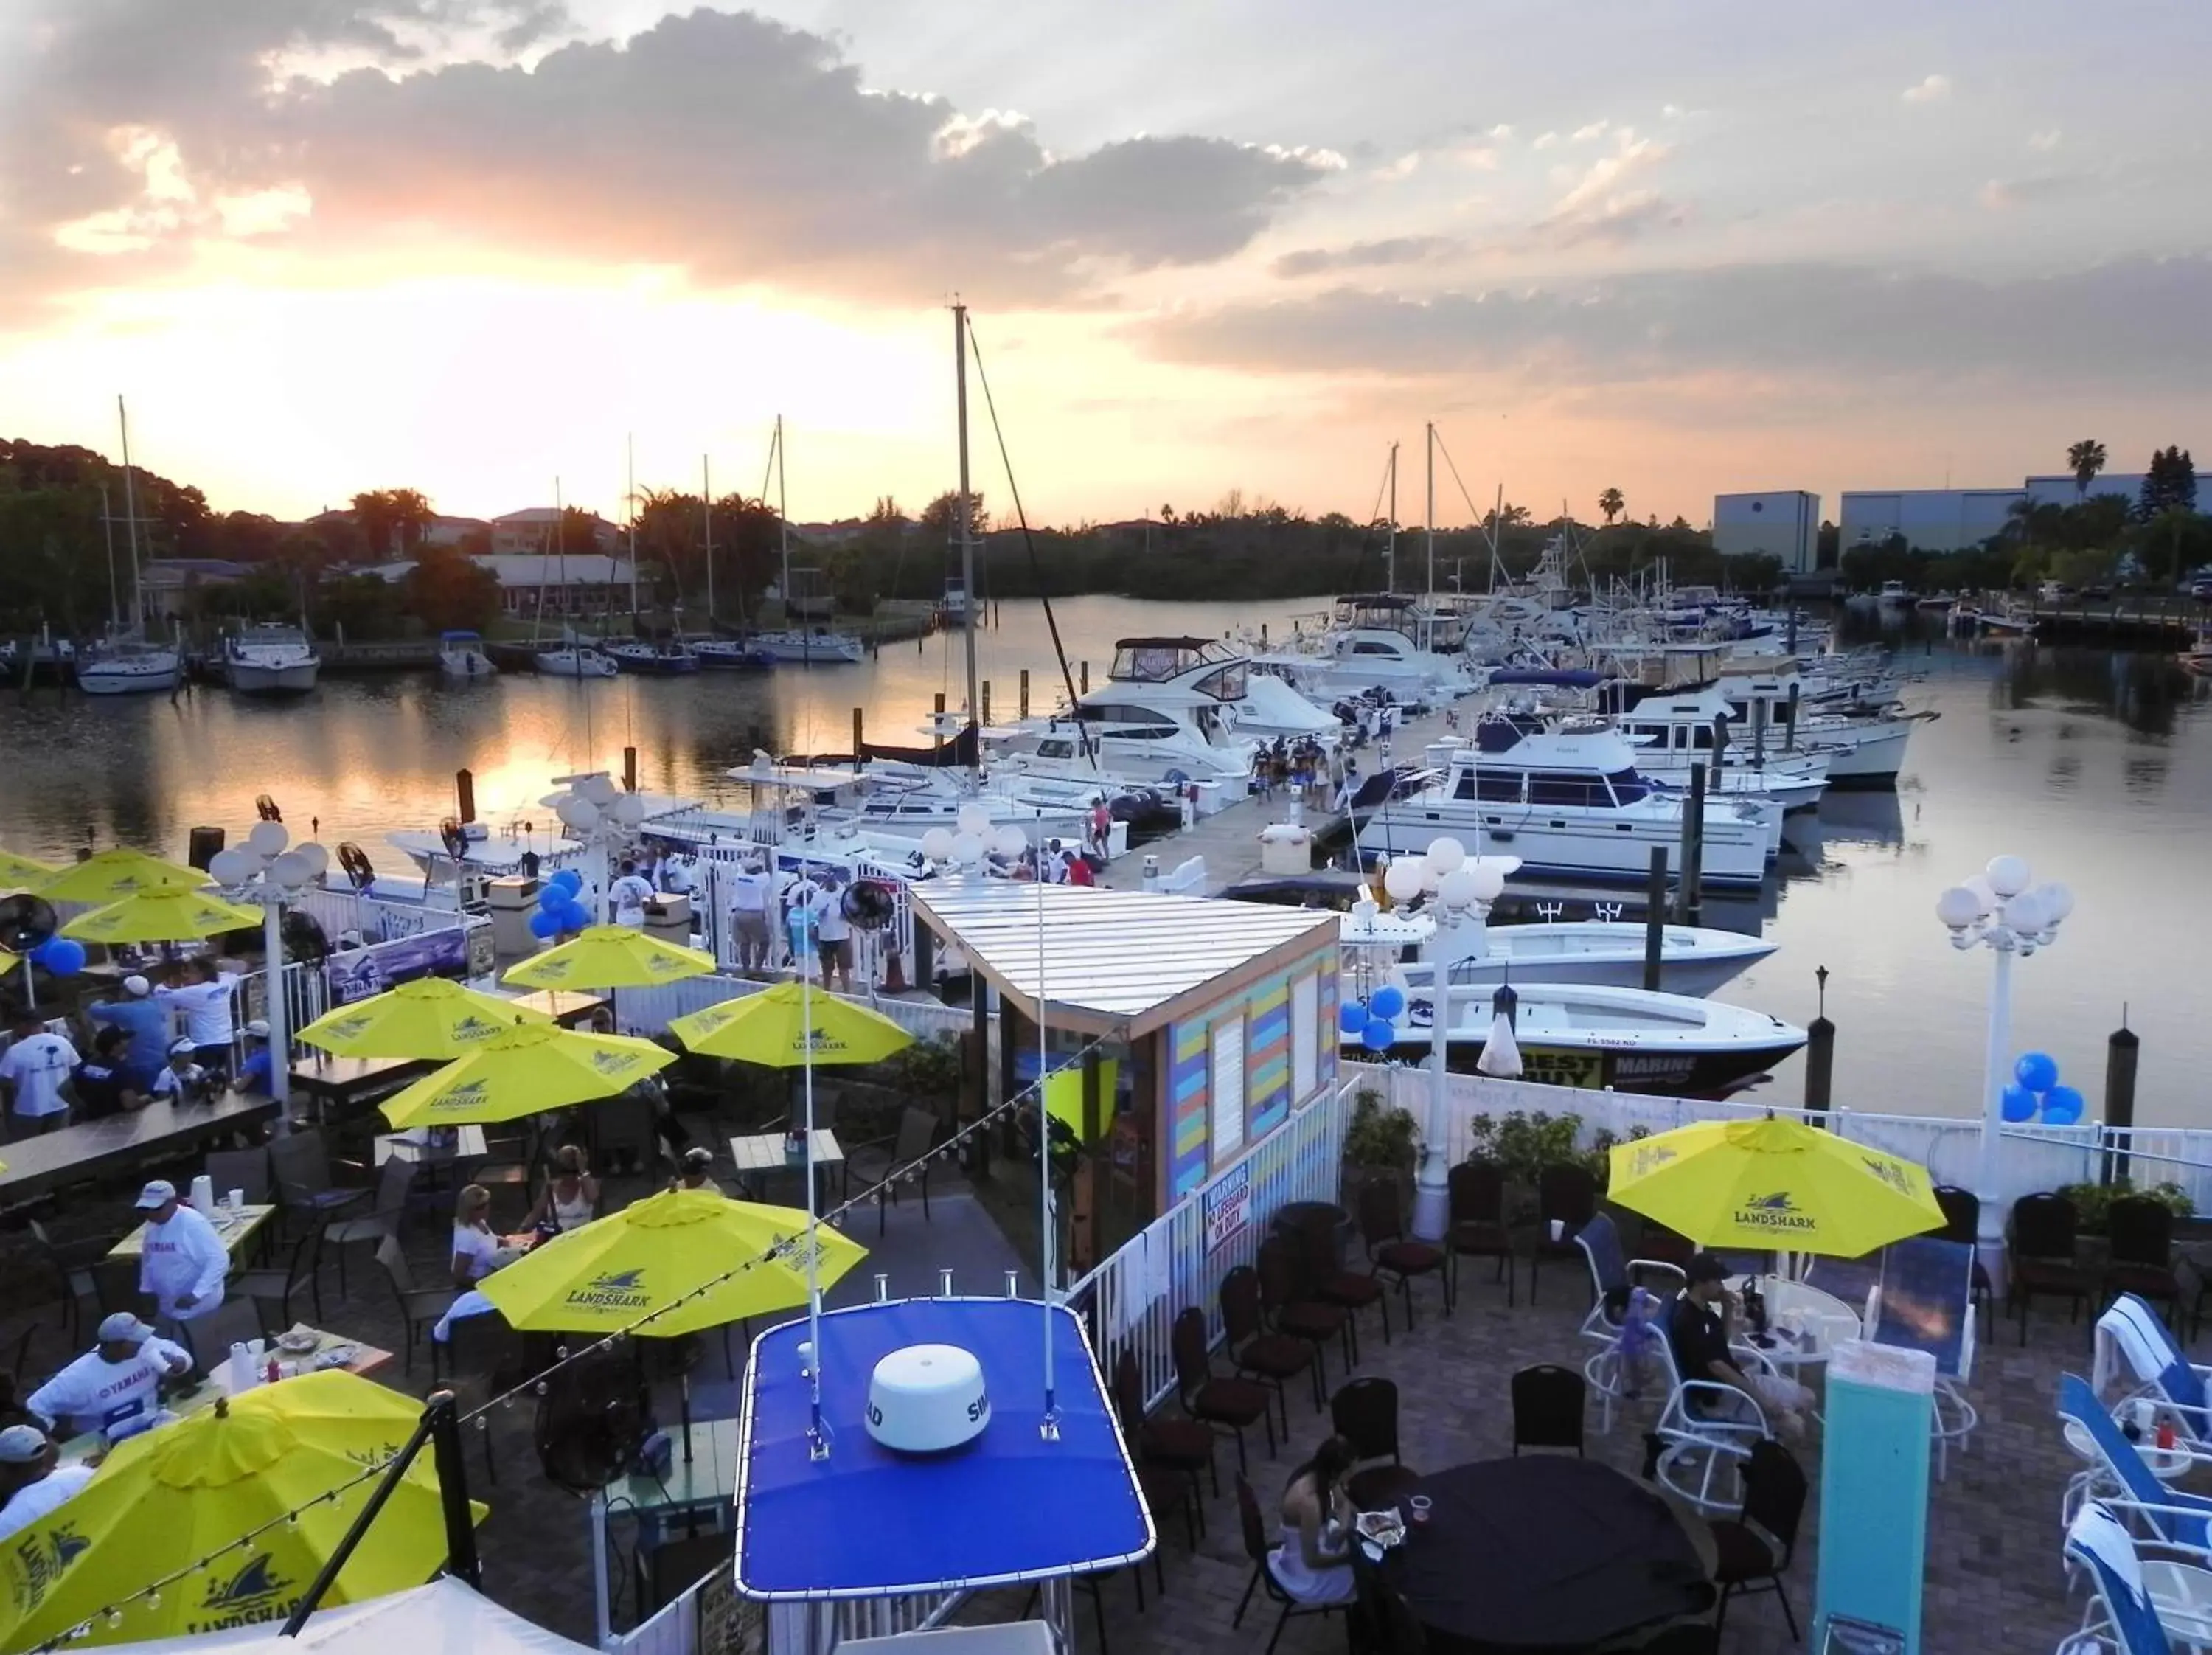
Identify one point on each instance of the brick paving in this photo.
(1994, 1578)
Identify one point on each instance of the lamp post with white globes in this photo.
(263, 871)
(600, 815)
(2003, 910)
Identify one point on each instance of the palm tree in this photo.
(2086, 459)
(1612, 505)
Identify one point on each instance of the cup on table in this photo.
(1417, 1508)
(1559, 1229)
(235, 1199)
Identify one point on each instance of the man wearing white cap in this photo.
(253, 1073)
(182, 1078)
(145, 1022)
(184, 1261)
(115, 1388)
(31, 1482)
(203, 1000)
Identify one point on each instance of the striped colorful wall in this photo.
(1266, 1008)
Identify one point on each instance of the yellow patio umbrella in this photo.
(611, 957)
(524, 1070)
(108, 875)
(654, 1251)
(788, 1026)
(430, 1017)
(1774, 1185)
(170, 1498)
(161, 915)
(18, 871)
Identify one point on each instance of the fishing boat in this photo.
(1893, 594)
(461, 655)
(1623, 1039)
(125, 662)
(1569, 802)
(271, 660)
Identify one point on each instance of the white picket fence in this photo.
(1132, 1298)
(674, 1630)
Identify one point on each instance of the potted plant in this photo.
(1380, 1142)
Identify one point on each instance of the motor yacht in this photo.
(270, 661)
(1167, 712)
(462, 655)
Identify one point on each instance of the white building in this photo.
(581, 583)
(1930, 520)
(1783, 523)
(2061, 489)
(530, 531)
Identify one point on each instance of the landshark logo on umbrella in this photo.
(1774, 1212)
(616, 1290)
(1890, 1172)
(553, 971)
(254, 1593)
(815, 1041)
(791, 1252)
(41, 1559)
(1649, 1158)
(347, 1027)
(470, 1094)
(470, 1026)
(615, 1062)
(669, 965)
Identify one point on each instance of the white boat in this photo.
(129, 666)
(810, 646)
(1379, 641)
(888, 806)
(1271, 708)
(274, 660)
(461, 655)
(1694, 959)
(730, 656)
(1626, 1039)
(576, 661)
(664, 657)
(953, 608)
(1568, 802)
(1862, 751)
(1166, 712)
(1893, 594)
(1673, 731)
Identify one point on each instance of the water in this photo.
(2096, 767)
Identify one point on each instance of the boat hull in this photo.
(1678, 1072)
(131, 678)
(250, 677)
(1736, 851)
(568, 664)
(812, 649)
(467, 666)
(1689, 974)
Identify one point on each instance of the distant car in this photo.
(2201, 591)
(2096, 595)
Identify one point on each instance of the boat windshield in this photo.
(1160, 660)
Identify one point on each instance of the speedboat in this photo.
(662, 656)
(576, 661)
(1893, 594)
(461, 655)
(1623, 1039)
(270, 661)
(1567, 801)
(953, 610)
(129, 666)
(815, 646)
(1379, 641)
(1167, 712)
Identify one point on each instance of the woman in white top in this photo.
(571, 1199)
(477, 1252)
(1312, 1564)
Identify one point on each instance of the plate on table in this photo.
(1384, 1528)
(300, 1341)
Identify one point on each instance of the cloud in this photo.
(1934, 88)
(1614, 223)
(1605, 177)
(1404, 167)
(2045, 141)
(724, 146)
(1545, 140)
(1591, 133)
(1366, 255)
(1500, 134)
(2002, 195)
(1796, 325)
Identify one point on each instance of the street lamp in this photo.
(265, 872)
(600, 815)
(2003, 910)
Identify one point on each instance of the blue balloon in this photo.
(2037, 1071)
(1352, 1018)
(61, 956)
(1380, 1034)
(574, 916)
(2062, 1106)
(1389, 1000)
(569, 880)
(544, 924)
(2019, 1102)
(553, 896)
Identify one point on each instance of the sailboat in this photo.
(124, 663)
(809, 646)
(723, 654)
(573, 659)
(638, 654)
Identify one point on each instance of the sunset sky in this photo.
(1673, 245)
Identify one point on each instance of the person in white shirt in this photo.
(676, 874)
(33, 1070)
(630, 895)
(748, 894)
(833, 932)
(114, 1388)
(184, 1261)
(477, 1253)
(183, 1079)
(32, 1482)
(203, 1000)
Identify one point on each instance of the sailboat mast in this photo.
(107, 528)
(783, 520)
(1432, 511)
(1391, 550)
(629, 500)
(130, 504)
(960, 507)
(707, 517)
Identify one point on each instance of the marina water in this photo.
(2096, 766)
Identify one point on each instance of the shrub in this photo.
(2093, 1203)
(1379, 1136)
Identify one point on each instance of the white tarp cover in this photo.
(443, 1618)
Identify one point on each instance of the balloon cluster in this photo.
(2035, 1088)
(966, 847)
(60, 956)
(559, 905)
(1373, 1022)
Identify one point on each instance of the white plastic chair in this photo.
(1612, 1278)
(2176, 1525)
(2133, 1344)
(2121, 1619)
(1933, 1279)
(1707, 1430)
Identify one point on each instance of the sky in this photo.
(1673, 246)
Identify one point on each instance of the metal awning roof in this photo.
(1115, 961)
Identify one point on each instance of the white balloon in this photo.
(318, 860)
(1010, 841)
(967, 848)
(1457, 889)
(291, 870)
(579, 813)
(629, 809)
(268, 838)
(937, 844)
(1403, 879)
(1446, 853)
(600, 789)
(973, 819)
(2007, 876)
(232, 866)
(1489, 880)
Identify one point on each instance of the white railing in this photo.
(378, 921)
(307, 986)
(795, 1628)
(1132, 1298)
(649, 1011)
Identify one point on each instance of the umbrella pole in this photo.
(1048, 1426)
(818, 1438)
(343, 1552)
(30, 987)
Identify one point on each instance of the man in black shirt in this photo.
(103, 1081)
(1699, 1331)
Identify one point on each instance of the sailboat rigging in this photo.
(124, 663)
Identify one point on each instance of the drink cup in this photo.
(1418, 1508)
(235, 1200)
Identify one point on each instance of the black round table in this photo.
(1544, 1552)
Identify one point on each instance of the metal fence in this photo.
(1132, 1298)
(779, 1628)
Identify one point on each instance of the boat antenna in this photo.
(629, 500)
(963, 514)
(129, 496)
(1048, 1425)
(107, 528)
(707, 522)
(1028, 540)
